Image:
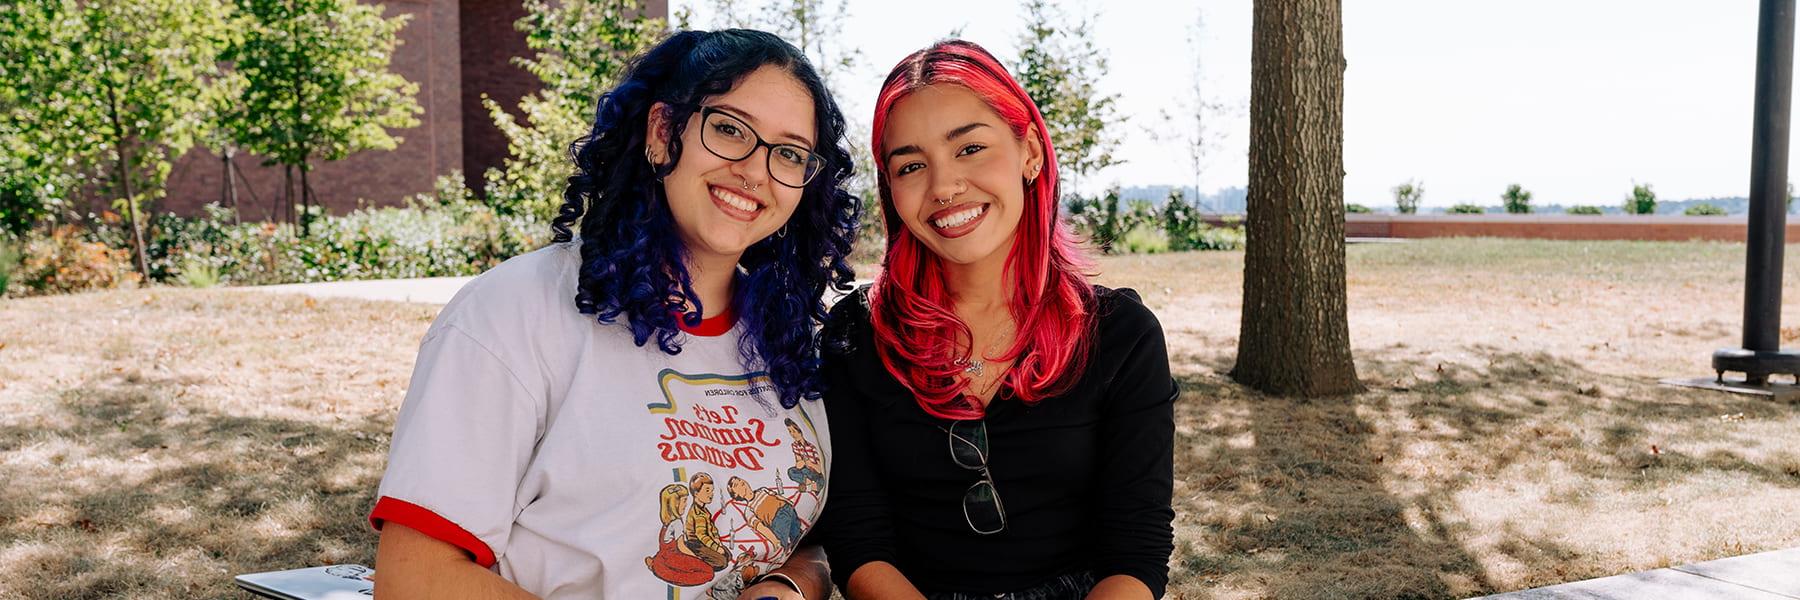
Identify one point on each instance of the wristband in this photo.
(780, 578)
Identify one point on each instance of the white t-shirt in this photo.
(580, 465)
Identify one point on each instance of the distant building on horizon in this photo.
(455, 50)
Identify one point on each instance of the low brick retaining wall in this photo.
(1552, 227)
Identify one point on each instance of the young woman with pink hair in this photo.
(1004, 427)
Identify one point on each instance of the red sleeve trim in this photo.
(713, 326)
(431, 524)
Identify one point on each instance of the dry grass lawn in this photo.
(155, 442)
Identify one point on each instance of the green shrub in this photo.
(1516, 200)
(1642, 200)
(1583, 210)
(1703, 210)
(1230, 237)
(199, 274)
(21, 205)
(1357, 209)
(9, 262)
(1144, 239)
(1180, 221)
(1466, 209)
(1407, 195)
(1099, 220)
(66, 261)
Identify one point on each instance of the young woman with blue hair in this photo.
(629, 412)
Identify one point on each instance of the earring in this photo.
(781, 233)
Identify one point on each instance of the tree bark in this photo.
(1294, 339)
(306, 201)
(122, 142)
(231, 196)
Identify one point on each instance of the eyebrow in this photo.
(954, 133)
(742, 114)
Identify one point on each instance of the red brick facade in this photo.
(455, 50)
(1556, 227)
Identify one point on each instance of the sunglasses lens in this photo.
(981, 506)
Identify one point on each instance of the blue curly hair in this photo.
(633, 264)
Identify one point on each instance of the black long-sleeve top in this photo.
(1085, 477)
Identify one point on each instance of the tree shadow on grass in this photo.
(125, 490)
(1330, 498)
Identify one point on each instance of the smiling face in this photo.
(956, 173)
(722, 207)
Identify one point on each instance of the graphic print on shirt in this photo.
(739, 501)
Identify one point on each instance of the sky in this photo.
(1575, 100)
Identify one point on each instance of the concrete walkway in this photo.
(1766, 576)
(432, 290)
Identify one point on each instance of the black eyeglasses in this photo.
(732, 139)
(981, 503)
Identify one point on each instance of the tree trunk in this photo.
(231, 196)
(306, 202)
(287, 194)
(1294, 339)
(121, 142)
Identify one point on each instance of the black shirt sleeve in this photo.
(1137, 431)
(856, 528)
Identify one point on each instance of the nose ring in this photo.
(750, 188)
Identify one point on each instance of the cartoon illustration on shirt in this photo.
(808, 467)
(759, 522)
(674, 562)
(702, 535)
(737, 505)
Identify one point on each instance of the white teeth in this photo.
(735, 201)
(961, 218)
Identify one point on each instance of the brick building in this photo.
(455, 50)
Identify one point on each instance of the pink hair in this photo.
(1052, 301)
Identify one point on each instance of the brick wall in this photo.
(1556, 227)
(487, 68)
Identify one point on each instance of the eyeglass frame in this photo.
(987, 475)
(768, 159)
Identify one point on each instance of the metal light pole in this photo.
(1762, 355)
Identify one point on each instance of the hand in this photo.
(770, 589)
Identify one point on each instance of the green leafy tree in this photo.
(316, 84)
(1357, 209)
(1703, 210)
(1516, 199)
(1642, 200)
(1466, 209)
(1584, 210)
(1407, 196)
(1060, 67)
(33, 53)
(580, 49)
(113, 90)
